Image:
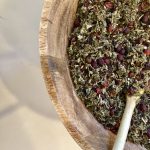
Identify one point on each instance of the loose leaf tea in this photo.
(109, 57)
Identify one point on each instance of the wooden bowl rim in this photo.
(48, 79)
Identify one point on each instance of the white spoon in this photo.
(126, 120)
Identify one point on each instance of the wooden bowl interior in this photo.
(56, 24)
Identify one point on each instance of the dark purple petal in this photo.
(94, 64)
(100, 61)
(148, 132)
(120, 57)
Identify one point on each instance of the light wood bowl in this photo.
(56, 23)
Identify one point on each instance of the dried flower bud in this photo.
(126, 30)
(131, 90)
(77, 22)
(139, 41)
(119, 48)
(110, 28)
(131, 24)
(94, 64)
(89, 39)
(142, 107)
(146, 18)
(86, 3)
(147, 66)
(144, 5)
(109, 5)
(120, 57)
(100, 62)
(105, 84)
(131, 74)
(148, 132)
(98, 90)
(117, 82)
(106, 60)
(88, 60)
(112, 111)
(147, 52)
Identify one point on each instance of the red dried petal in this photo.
(126, 30)
(131, 24)
(110, 28)
(143, 6)
(148, 132)
(146, 18)
(142, 107)
(107, 61)
(100, 61)
(77, 22)
(94, 64)
(98, 90)
(109, 5)
(120, 57)
(147, 52)
(131, 74)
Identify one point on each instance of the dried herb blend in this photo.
(109, 55)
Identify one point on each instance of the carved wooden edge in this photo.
(49, 82)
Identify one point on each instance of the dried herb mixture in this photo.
(109, 55)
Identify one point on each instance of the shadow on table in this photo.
(25, 82)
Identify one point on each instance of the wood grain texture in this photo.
(56, 22)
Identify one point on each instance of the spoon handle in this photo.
(125, 124)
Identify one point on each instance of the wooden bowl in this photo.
(56, 23)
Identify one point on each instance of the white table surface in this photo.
(28, 120)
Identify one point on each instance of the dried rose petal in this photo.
(139, 41)
(142, 107)
(119, 48)
(131, 24)
(77, 22)
(86, 3)
(109, 5)
(147, 66)
(120, 29)
(94, 64)
(131, 90)
(147, 52)
(126, 30)
(105, 84)
(98, 90)
(131, 74)
(74, 39)
(148, 132)
(100, 62)
(110, 28)
(122, 51)
(120, 57)
(112, 111)
(117, 82)
(97, 35)
(103, 96)
(143, 6)
(106, 60)
(146, 18)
